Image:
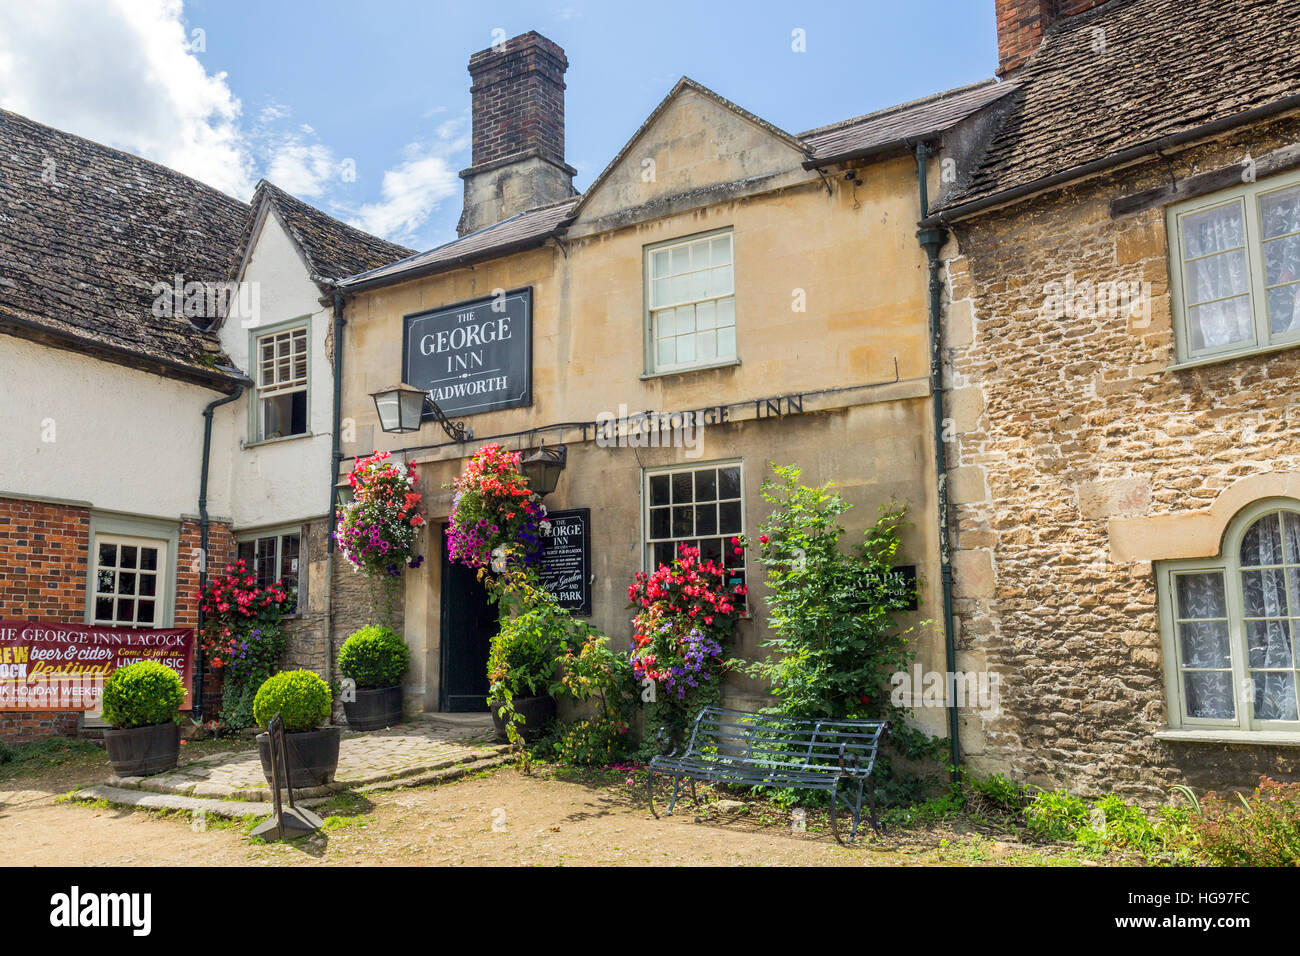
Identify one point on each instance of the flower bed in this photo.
(688, 613)
(241, 635)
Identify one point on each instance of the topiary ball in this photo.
(299, 698)
(142, 694)
(374, 657)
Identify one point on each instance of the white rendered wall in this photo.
(285, 481)
(123, 440)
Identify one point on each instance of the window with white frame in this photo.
(130, 581)
(281, 384)
(702, 506)
(272, 558)
(692, 302)
(1231, 624)
(1236, 269)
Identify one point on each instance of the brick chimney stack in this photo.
(1022, 23)
(517, 98)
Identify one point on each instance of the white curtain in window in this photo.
(1218, 280)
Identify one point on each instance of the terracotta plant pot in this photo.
(142, 751)
(312, 757)
(375, 708)
(536, 711)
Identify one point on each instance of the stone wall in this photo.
(307, 642)
(1063, 426)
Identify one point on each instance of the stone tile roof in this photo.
(885, 128)
(826, 144)
(1131, 71)
(521, 231)
(334, 250)
(85, 233)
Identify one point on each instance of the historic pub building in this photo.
(725, 295)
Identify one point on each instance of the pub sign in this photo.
(474, 356)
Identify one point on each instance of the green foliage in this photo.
(834, 615)
(1260, 830)
(1115, 824)
(1056, 815)
(374, 656)
(833, 612)
(523, 655)
(935, 810)
(1004, 794)
(589, 742)
(598, 672)
(142, 694)
(300, 698)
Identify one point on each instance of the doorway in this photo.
(469, 621)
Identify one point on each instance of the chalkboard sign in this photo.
(473, 356)
(565, 567)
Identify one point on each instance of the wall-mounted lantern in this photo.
(401, 408)
(542, 467)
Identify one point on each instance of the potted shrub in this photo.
(142, 702)
(522, 665)
(302, 701)
(374, 659)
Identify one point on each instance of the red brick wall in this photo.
(25, 727)
(221, 550)
(517, 98)
(1021, 24)
(43, 550)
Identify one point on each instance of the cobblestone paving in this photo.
(383, 758)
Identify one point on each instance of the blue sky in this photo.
(307, 93)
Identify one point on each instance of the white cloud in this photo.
(121, 72)
(303, 169)
(412, 190)
(125, 73)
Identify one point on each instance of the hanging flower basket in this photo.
(496, 519)
(378, 531)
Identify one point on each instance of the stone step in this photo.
(143, 799)
(439, 776)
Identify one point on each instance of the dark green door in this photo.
(468, 623)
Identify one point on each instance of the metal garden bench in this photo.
(748, 750)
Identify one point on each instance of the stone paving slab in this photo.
(392, 757)
(233, 809)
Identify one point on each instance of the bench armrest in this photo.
(850, 763)
(664, 742)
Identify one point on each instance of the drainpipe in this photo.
(204, 524)
(932, 240)
(336, 457)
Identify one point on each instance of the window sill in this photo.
(1231, 356)
(1274, 738)
(277, 441)
(693, 368)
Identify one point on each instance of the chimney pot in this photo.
(1022, 23)
(517, 106)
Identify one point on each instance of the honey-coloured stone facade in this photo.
(1079, 455)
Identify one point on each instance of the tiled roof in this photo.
(1133, 71)
(85, 233)
(333, 249)
(899, 124)
(826, 144)
(521, 231)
